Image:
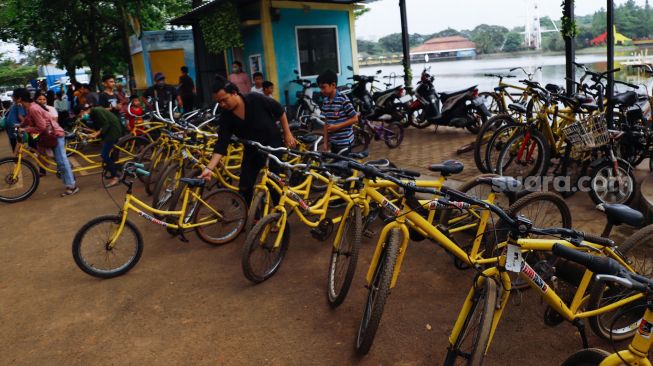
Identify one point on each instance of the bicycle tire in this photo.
(252, 243)
(478, 117)
(484, 136)
(398, 134)
(606, 166)
(361, 140)
(145, 158)
(586, 357)
(352, 236)
(496, 144)
(541, 165)
(160, 162)
(378, 292)
(233, 212)
(484, 301)
(166, 186)
(26, 168)
(128, 148)
(255, 211)
(638, 242)
(495, 107)
(89, 268)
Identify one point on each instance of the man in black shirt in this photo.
(186, 89)
(162, 94)
(250, 117)
(108, 98)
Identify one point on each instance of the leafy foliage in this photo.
(221, 29)
(514, 42)
(489, 38)
(12, 73)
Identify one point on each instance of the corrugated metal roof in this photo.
(442, 44)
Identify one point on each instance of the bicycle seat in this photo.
(447, 95)
(590, 107)
(519, 108)
(358, 155)
(448, 167)
(308, 139)
(502, 184)
(193, 182)
(379, 163)
(626, 99)
(582, 98)
(556, 89)
(621, 214)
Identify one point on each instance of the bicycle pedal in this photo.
(183, 237)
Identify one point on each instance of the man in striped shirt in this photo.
(338, 113)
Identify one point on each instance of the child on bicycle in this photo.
(338, 113)
(135, 116)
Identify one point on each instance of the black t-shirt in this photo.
(186, 86)
(110, 100)
(261, 114)
(163, 94)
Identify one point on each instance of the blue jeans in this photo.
(63, 165)
(109, 165)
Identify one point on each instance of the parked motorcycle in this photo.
(463, 108)
(379, 105)
(306, 105)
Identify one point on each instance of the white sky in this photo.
(430, 16)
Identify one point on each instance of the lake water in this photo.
(461, 74)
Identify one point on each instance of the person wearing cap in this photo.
(162, 94)
(110, 130)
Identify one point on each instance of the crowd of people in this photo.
(248, 111)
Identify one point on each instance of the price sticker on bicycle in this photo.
(514, 259)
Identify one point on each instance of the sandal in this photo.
(70, 191)
(109, 185)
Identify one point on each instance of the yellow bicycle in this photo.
(111, 245)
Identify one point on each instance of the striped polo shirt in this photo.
(337, 111)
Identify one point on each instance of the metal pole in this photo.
(610, 91)
(405, 43)
(570, 50)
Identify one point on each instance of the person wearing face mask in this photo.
(239, 78)
(162, 94)
(110, 130)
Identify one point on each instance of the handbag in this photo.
(47, 138)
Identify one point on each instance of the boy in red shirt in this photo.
(135, 116)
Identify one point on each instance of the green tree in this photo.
(514, 42)
(553, 41)
(12, 73)
(489, 38)
(392, 42)
(369, 47)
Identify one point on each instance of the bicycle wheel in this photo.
(637, 249)
(483, 138)
(256, 210)
(472, 342)
(160, 161)
(608, 187)
(492, 102)
(23, 185)
(92, 254)
(497, 142)
(165, 186)
(145, 157)
(233, 209)
(379, 289)
(544, 209)
(525, 155)
(586, 357)
(260, 259)
(478, 119)
(128, 148)
(361, 140)
(393, 135)
(344, 256)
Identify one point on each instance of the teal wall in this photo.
(253, 40)
(285, 44)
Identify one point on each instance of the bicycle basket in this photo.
(589, 133)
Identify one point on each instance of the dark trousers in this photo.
(250, 167)
(188, 101)
(109, 164)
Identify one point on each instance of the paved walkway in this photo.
(189, 304)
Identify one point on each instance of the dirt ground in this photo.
(189, 303)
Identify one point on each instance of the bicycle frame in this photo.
(637, 352)
(569, 312)
(134, 204)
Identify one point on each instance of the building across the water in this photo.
(454, 47)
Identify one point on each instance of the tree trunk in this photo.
(72, 73)
(125, 40)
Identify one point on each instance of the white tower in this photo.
(532, 31)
